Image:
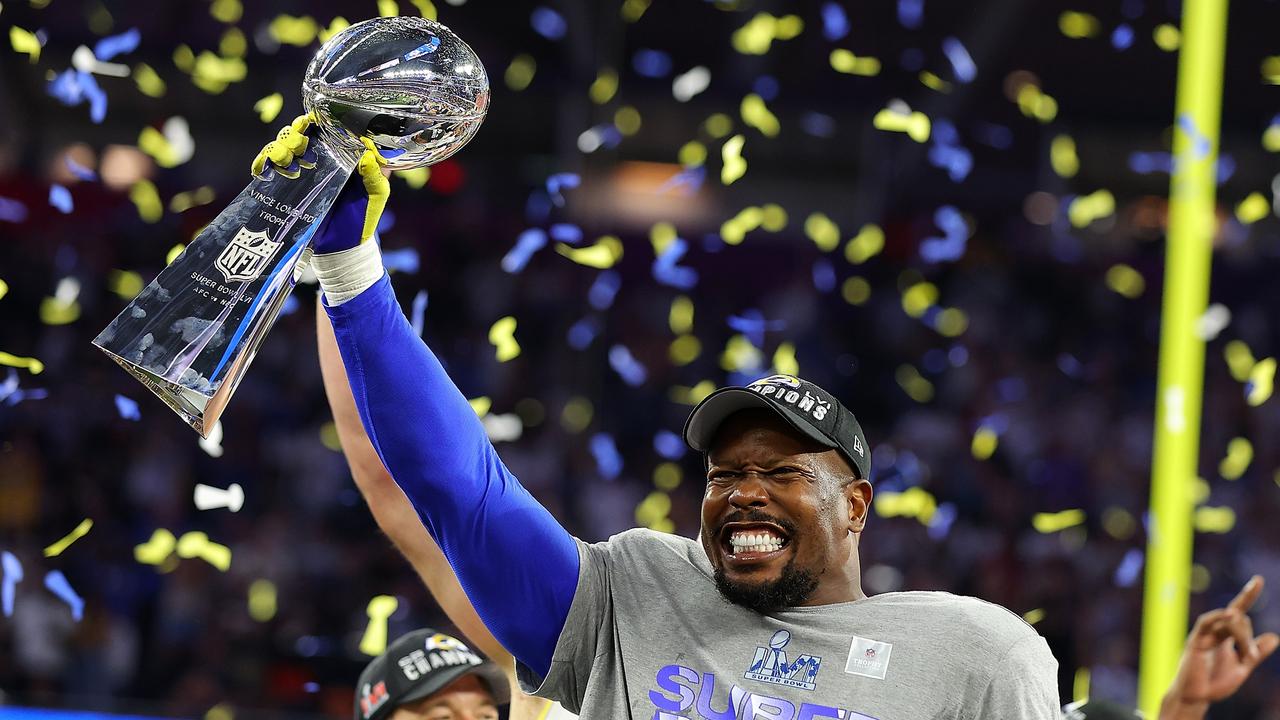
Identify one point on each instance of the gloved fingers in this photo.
(375, 183)
(307, 160)
(291, 171)
(371, 149)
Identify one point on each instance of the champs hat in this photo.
(418, 664)
(1099, 710)
(812, 411)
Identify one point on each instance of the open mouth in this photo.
(752, 541)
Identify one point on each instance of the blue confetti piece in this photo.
(96, 96)
(1200, 145)
(402, 260)
(911, 13)
(548, 23)
(60, 198)
(80, 171)
(957, 161)
(113, 45)
(1226, 168)
(559, 182)
(72, 87)
(419, 311)
(1129, 569)
(1070, 365)
(529, 242)
(753, 325)
(566, 233)
(955, 235)
(940, 524)
(667, 271)
(604, 290)
(10, 384)
(608, 459)
(835, 23)
(961, 62)
(127, 408)
(20, 395)
(669, 445)
(583, 333)
(627, 367)
(58, 584)
(818, 124)
(1122, 37)
(1144, 163)
(12, 211)
(687, 181)
(944, 132)
(824, 276)
(386, 222)
(651, 63)
(12, 576)
(766, 86)
(291, 305)
(958, 356)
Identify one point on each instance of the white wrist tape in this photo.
(344, 275)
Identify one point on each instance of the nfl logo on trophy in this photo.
(246, 255)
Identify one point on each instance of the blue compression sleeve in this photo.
(518, 566)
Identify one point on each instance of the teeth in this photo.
(755, 542)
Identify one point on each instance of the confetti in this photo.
(60, 198)
(1236, 462)
(58, 584)
(822, 231)
(914, 502)
(548, 23)
(1122, 37)
(196, 544)
(633, 10)
(1033, 616)
(583, 333)
(291, 30)
(1216, 520)
(12, 576)
(605, 86)
(1078, 25)
(127, 408)
(1126, 281)
(1062, 156)
(337, 25)
(667, 271)
(1200, 145)
(171, 146)
(1253, 208)
(835, 23)
(947, 153)
(481, 405)
(227, 11)
(269, 107)
(208, 497)
(528, 243)
(1087, 209)
(918, 298)
(684, 350)
(667, 476)
(558, 183)
(1035, 103)
(1239, 360)
(262, 600)
(955, 236)
(212, 445)
(1057, 521)
(734, 165)
(520, 72)
(627, 120)
(784, 359)
(601, 255)
(652, 512)
(1215, 319)
(855, 290)
(604, 290)
(1261, 382)
(26, 42)
(760, 32)
(1129, 569)
(691, 395)
(379, 610)
(12, 211)
(961, 62)
(985, 441)
(418, 312)
(72, 87)
(405, 260)
(627, 367)
(80, 531)
(605, 452)
(668, 445)
(125, 42)
(914, 384)
(502, 336)
(894, 119)
(1167, 37)
(752, 324)
(824, 276)
(145, 197)
(844, 61)
(4, 288)
(865, 245)
(651, 63)
(184, 201)
(818, 124)
(910, 13)
(32, 365)
(148, 81)
(156, 550)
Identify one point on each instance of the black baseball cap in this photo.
(1099, 710)
(418, 664)
(812, 411)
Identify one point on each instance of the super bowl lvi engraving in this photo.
(408, 84)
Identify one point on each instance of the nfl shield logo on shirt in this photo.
(868, 658)
(770, 665)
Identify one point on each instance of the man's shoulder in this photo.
(650, 547)
(960, 614)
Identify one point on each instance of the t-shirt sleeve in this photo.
(1023, 685)
(587, 633)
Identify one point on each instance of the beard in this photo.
(791, 588)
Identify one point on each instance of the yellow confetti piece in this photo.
(633, 10)
(292, 30)
(865, 245)
(520, 72)
(735, 229)
(481, 405)
(757, 115)
(157, 549)
(32, 365)
(933, 82)
(269, 107)
(773, 217)
(951, 322)
(184, 58)
(1057, 521)
(684, 350)
(918, 298)
(337, 25)
(503, 337)
(914, 502)
(855, 290)
(1119, 523)
(1271, 138)
(661, 235)
(915, 385)
(388, 8)
(692, 154)
(426, 8)
(822, 231)
(740, 354)
(1216, 520)
(627, 120)
(329, 436)
(1090, 208)
(147, 200)
(1126, 281)
(1078, 25)
(652, 512)
(26, 42)
(601, 255)
(846, 62)
(784, 359)
(1200, 490)
(380, 609)
(80, 531)
(415, 178)
(680, 318)
(57, 311)
(1031, 617)
(1167, 37)
(717, 125)
(734, 165)
(262, 600)
(153, 142)
(1239, 455)
(184, 201)
(227, 11)
(1239, 360)
(604, 87)
(221, 711)
(985, 441)
(174, 253)
(149, 83)
(1261, 382)
(915, 124)
(212, 73)
(1035, 103)
(1062, 156)
(4, 288)
(1200, 578)
(760, 32)
(196, 544)
(667, 476)
(691, 395)
(233, 43)
(1253, 208)
(576, 415)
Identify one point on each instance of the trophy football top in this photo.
(409, 84)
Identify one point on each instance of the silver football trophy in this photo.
(408, 84)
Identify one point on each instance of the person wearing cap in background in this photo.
(762, 617)
(426, 675)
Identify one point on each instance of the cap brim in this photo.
(489, 672)
(700, 429)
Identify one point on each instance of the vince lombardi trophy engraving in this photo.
(408, 84)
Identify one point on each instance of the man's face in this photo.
(779, 515)
(466, 698)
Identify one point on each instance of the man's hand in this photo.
(354, 217)
(1220, 654)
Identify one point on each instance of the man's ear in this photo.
(858, 494)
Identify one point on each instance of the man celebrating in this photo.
(763, 618)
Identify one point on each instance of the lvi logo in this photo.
(770, 665)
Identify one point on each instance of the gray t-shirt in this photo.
(648, 636)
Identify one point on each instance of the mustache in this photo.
(756, 516)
